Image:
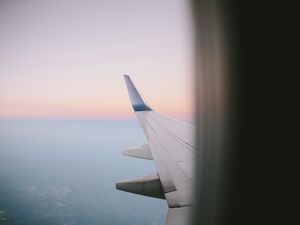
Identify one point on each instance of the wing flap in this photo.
(174, 159)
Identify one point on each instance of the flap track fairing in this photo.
(142, 152)
(147, 186)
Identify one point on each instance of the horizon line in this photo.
(131, 117)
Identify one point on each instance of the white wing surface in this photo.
(171, 146)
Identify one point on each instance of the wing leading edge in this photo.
(171, 146)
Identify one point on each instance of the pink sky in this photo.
(66, 58)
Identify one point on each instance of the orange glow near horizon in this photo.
(118, 110)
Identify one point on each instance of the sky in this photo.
(66, 58)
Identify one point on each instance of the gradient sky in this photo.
(66, 58)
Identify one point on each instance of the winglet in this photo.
(138, 103)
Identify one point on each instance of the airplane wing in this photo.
(171, 146)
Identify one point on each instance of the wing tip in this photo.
(138, 103)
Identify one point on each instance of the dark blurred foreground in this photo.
(240, 176)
